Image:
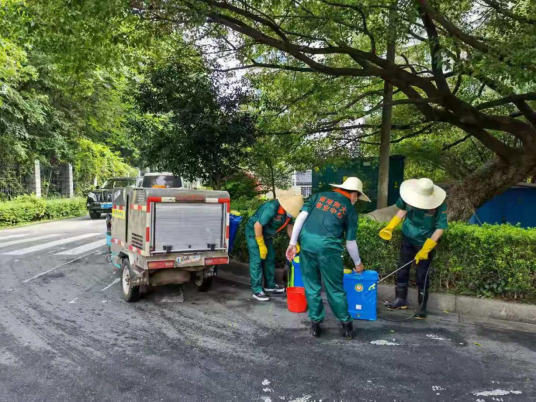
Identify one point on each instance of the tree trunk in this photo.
(272, 179)
(385, 143)
(491, 179)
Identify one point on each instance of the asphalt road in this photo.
(66, 335)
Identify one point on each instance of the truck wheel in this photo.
(94, 215)
(130, 293)
(203, 284)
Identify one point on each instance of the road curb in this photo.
(471, 310)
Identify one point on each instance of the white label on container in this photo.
(358, 307)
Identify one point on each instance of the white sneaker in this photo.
(261, 296)
(276, 289)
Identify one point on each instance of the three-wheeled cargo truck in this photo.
(162, 236)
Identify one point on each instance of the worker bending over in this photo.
(325, 220)
(270, 219)
(423, 206)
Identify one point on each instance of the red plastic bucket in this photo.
(296, 301)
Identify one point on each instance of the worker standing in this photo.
(324, 221)
(423, 206)
(270, 219)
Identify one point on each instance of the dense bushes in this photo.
(488, 261)
(27, 209)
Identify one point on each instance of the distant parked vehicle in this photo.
(160, 180)
(99, 201)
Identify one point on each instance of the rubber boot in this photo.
(315, 329)
(401, 296)
(421, 312)
(348, 331)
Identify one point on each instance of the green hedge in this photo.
(487, 261)
(26, 209)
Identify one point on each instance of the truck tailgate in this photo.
(189, 227)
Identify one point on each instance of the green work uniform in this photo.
(272, 219)
(332, 218)
(420, 224)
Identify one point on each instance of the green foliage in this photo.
(27, 209)
(66, 70)
(97, 160)
(192, 129)
(241, 185)
(487, 261)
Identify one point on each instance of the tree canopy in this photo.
(464, 68)
(202, 133)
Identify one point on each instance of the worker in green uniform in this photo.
(323, 223)
(270, 219)
(422, 205)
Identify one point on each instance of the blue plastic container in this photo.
(362, 294)
(295, 276)
(234, 223)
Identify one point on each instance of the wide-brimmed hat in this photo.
(353, 184)
(422, 193)
(292, 204)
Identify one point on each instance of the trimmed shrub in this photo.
(26, 209)
(486, 261)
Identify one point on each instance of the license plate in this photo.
(106, 206)
(187, 259)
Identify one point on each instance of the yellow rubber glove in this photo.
(262, 247)
(387, 232)
(429, 245)
(298, 248)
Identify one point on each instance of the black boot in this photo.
(315, 329)
(348, 331)
(421, 312)
(400, 302)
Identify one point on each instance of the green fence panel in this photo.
(367, 170)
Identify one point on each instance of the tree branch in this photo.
(458, 33)
(366, 31)
(447, 147)
(507, 99)
(507, 13)
(435, 51)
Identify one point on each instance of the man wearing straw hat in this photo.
(270, 219)
(423, 206)
(323, 223)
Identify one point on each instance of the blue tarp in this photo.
(516, 205)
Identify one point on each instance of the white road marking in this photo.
(73, 301)
(111, 284)
(51, 244)
(497, 392)
(53, 269)
(83, 248)
(11, 237)
(27, 240)
(383, 342)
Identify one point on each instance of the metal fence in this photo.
(44, 181)
(306, 191)
(51, 181)
(14, 181)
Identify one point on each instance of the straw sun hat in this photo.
(422, 193)
(353, 184)
(292, 204)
